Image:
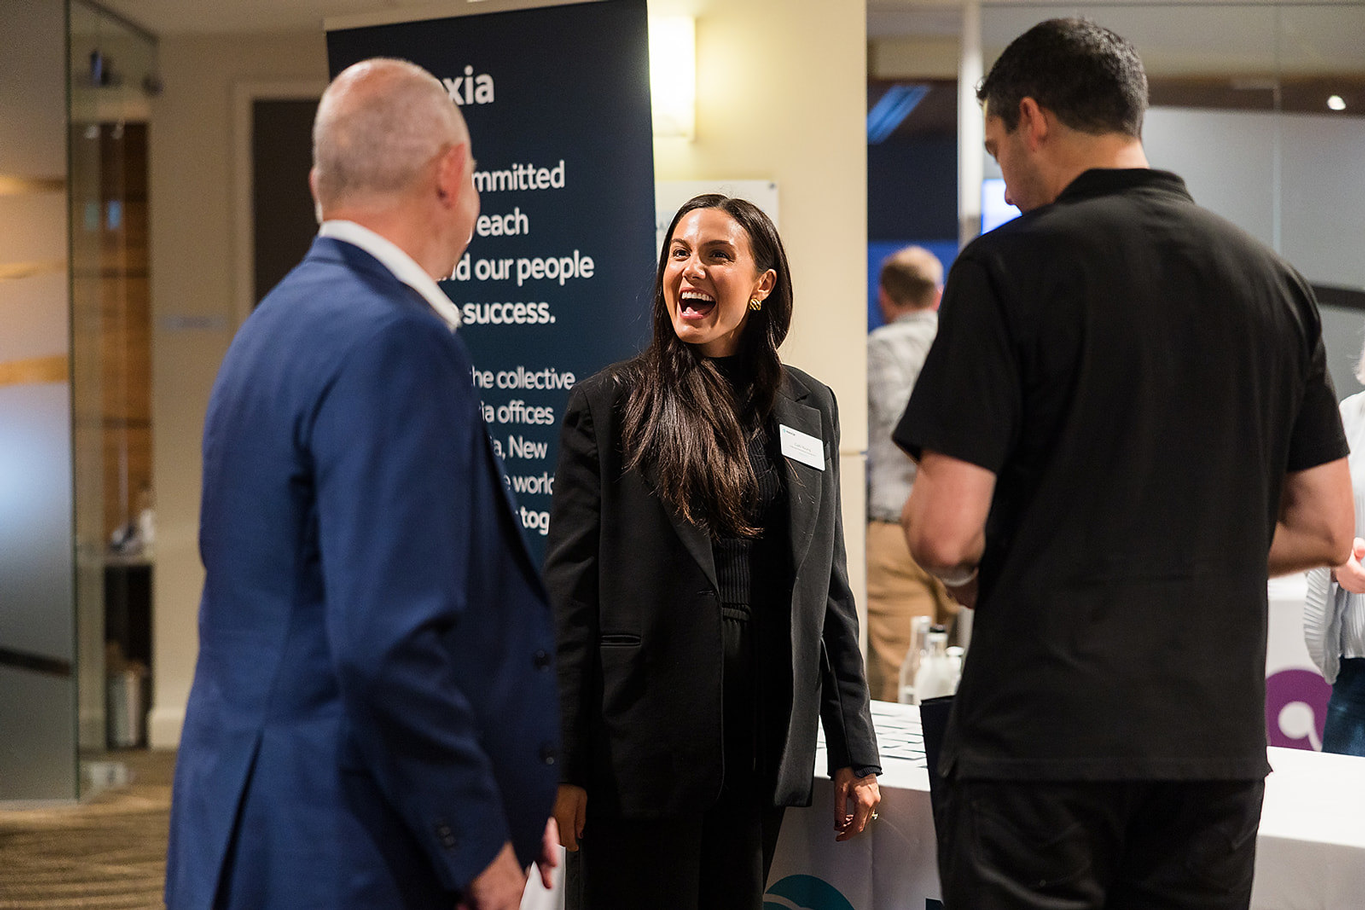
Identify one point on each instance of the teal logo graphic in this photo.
(804, 892)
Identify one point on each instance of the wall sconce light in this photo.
(673, 75)
(24, 186)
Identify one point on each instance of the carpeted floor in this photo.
(106, 854)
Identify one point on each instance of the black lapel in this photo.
(696, 540)
(803, 481)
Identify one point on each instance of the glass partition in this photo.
(112, 66)
(37, 677)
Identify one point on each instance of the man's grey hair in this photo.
(912, 277)
(379, 123)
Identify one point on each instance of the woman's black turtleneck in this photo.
(753, 584)
(736, 556)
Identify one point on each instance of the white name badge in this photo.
(802, 447)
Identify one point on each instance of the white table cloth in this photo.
(1310, 849)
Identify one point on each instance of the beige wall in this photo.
(194, 308)
(782, 96)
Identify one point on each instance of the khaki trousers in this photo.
(897, 591)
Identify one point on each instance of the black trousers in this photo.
(1121, 845)
(716, 860)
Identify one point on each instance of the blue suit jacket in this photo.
(374, 709)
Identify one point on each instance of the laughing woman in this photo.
(696, 568)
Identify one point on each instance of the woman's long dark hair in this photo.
(682, 418)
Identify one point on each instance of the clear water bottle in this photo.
(956, 654)
(938, 673)
(965, 616)
(914, 655)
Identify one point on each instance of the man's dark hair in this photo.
(1091, 78)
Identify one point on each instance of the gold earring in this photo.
(755, 304)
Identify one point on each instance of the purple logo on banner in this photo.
(1295, 709)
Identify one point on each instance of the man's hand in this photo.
(571, 809)
(865, 796)
(498, 887)
(964, 594)
(1351, 574)
(549, 854)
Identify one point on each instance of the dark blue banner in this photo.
(556, 281)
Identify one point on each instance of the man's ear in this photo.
(1035, 121)
(885, 304)
(450, 172)
(313, 190)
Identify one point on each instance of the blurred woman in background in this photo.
(1334, 615)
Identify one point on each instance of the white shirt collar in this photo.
(923, 314)
(403, 266)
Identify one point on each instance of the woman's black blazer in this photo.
(638, 622)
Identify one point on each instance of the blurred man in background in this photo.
(898, 590)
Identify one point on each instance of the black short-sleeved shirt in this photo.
(1139, 374)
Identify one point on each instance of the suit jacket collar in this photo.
(355, 259)
(803, 483)
(397, 262)
(350, 256)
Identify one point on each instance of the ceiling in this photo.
(1179, 39)
(177, 17)
(884, 17)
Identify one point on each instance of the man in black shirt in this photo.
(1125, 424)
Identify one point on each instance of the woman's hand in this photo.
(571, 808)
(1351, 574)
(865, 796)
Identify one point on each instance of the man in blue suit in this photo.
(373, 718)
